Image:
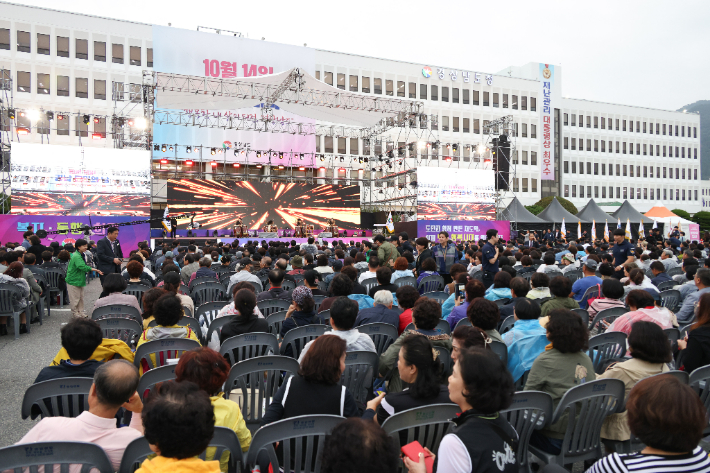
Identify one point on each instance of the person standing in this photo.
(445, 256)
(76, 278)
(623, 252)
(108, 253)
(489, 262)
(386, 251)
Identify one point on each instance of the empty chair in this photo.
(275, 320)
(606, 347)
(208, 292)
(253, 383)
(9, 295)
(297, 338)
(359, 374)
(529, 411)
(427, 425)
(500, 349)
(406, 281)
(207, 312)
(125, 311)
(137, 289)
(438, 296)
(151, 378)
(670, 299)
(574, 275)
(157, 352)
(63, 397)
(666, 285)
(269, 306)
(433, 283)
(301, 439)
(126, 330)
(587, 405)
(605, 317)
(30, 457)
(248, 345)
(55, 279)
(383, 335)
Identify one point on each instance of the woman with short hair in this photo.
(76, 278)
(612, 296)
(13, 276)
(641, 307)
(539, 284)
(500, 288)
(407, 296)
(426, 268)
(468, 336)
(113, 286)
(401, 269)
(561, 289)
(485, 315)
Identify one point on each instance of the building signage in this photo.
(547, 122)
(453, 75)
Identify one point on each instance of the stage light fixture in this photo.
(341, 170)
(281, 166)
(97, 119)
(130, 122)
(447, 159)
(11, 113)
(49, 115)
(171, 147)
(487, 161)
(259, 166)
(163, 148)
(213, 150)
(301, 168)
(156, 147)
(480, 149)
(189, 162)
(96, 136)
(213, 164)
(188, 149)
(322, 158)
(281, 155)
(236, 152)
(300, 156)
(365, 159)
(359, 160)
(342, 159)
(33, 115)
(390, 154)
(236, 165)
(258, 154)
(60, 117)
(163, 161)
(86, 119)
(455, 147)
(22, 131)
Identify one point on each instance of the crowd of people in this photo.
(357, 283)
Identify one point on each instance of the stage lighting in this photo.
(22, 131)
(213, 150)
(455, 147)
(163, 148)
(487, 161)
(188, 149)
(281, 155)
(322, 158)
(447, 159)
(301, 168)
(236, 165)
(300, 156)
(11, 113)
(97, 119)
(321, 168)
(140, 123)
(365, 159)
(359, 160)
(86, 119)
(163, 161)
(342, 159)
(189, 162)
(61, 117)
(130, 122)
(258, 154)
(171, 147)
(390, 154)
(259, 166)
(480, 149)
(281, 166)
(96, 136)
(33, 115)
(341, 170)
(213, 164)
(156, 147)
(236, 152)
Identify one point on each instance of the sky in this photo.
(648, 53)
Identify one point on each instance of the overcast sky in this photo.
(648, 53)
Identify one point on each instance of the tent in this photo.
(660, 211)
(592, 211)
(555, 213)
(516, 212)
(628, 212)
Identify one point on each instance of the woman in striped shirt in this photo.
(669, 418)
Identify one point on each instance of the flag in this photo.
(641, 232)
(628, 229)
(579, 229)
(390, 224)
(618, 222)
(606, 231)
(594, 230)
(655, 224)
(563, 230)
(166, 221)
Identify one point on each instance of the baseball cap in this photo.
(591, 264)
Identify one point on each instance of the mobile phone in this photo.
(412, 451)
(459, 290)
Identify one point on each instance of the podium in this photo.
(268, 235)
(325, 235)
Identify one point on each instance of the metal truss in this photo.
(131, 101)
(494, 128)
(6, 103)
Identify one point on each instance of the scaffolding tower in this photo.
(6, 106)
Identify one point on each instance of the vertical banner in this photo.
(547, 122)
(694, 231)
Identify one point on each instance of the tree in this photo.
(681, 213)
(568, 206)
(534, 209)
(703, 219)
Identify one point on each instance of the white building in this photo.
(67, 62)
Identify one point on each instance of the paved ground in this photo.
(21, 360)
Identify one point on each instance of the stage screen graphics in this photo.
(75, 180)
(217, 204)
(473, 211)
(464, 230)
(455, 186)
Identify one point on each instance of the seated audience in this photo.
(204, 271)
(244, 274)
(276, 279)
(351, 272)
(668, 417)
(322, 267)
(562, 366)
(301, 312)
(485, 315)
(479, 442)
(426, 314)
(687, 311)
(695, 348)
(401, 269)
(467, 336)
(659, 273)
(641, 307)
(373, 265)
(474, 289)
(244, 320)
(383, 276)
(13, 276)
(113, 286)
(114, 387)
(560, 288)
(190, 266)
(80, 338)
(427, 268)
(356, 445)
(519, 288)
(650, 350)
(381, 312)
(150, 297)
(171, 283)
(611, 296)
(342, 320)
(526, 340)
(311, 278)
(500, 288)
(179, 422)
(341, 286)
(590, 279)
(539, 283)
(407, 296)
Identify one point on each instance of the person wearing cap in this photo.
(568, 263)
(590, 279)
(337, 266)
(301, 312)
(297, 265)
(244, 274)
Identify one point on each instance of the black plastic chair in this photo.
(162, 351)
(426, 424)
(269, 306)
(63, 397)
(606, 317)
(442, 327)
(383, 335)
(298, 337)
(116, 328)
(9, 297)
(216, 326)
(673, 335)
(671, 300)
(530, 411)
(117, 310)
(137, 290)
(209, 310)
(700, 382)
(438, 296)
(606, 347)
(275, 320)
(56, 280)
(51, 455)
(248, 345)
(500, 349)
(507, 324)
(208, 292)
(666, 285)
(433, 283)
(150, 378)
(674, 272)
(406, 281)
(201, 280)
(185, 321)
(318, 300)
(359, 374)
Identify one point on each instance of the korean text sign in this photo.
(465, 230)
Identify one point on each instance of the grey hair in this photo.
(668, 252)
(206, 261)
(383, 297)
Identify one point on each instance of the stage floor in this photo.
(201, 241)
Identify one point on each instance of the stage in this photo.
(201, 241)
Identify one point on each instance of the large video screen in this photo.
(75, 180)
(217, 204)
(453, 185)
(477, 211)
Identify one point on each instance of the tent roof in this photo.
(671, 220)
(516, 212)
(628, 212)
(555, 213)
(659, 210)
(592, 211)
(294, 91)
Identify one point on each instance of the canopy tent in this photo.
(628, 212)
(294, 91)
(516, 212)
(660, 211)
(555, 213)
(592, 212)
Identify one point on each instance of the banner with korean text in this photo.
(547, 122)
(464, 230)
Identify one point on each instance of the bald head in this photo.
(282, 264)
(115, 382)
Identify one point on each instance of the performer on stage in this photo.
(300, 228)
(270, 227)
(239, 228)
(331, 227)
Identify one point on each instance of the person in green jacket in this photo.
(76, 278)
(561, 290)
(386, 251)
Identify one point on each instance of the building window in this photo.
(581, 168)
(495, 99)
(342, 142)
(82, 129)
(99, 89)
(82, 49)
(444, 94)
(533, 158)
(23, 42)
(695, 174)
(400, 89)
(566, 167)
(341, 81)
(43, 83)
(525, 158)
(589, 144)
(466, 96)
(412, 90)
(149, 57)
(566, 143)
(566, 190)
(100, 51)
(515, 186)
(5, 38)
(533, 130)
(596, 122)
(604, 123)
(589, 121)
(505, 100)
(574, 144)
(603, 146)
(43, 44)
(328, 144)
(534, 184)
(366, 85)
(533, 104)
(454, 95)
(566, 119)
(476, 128)
(63, 86)
(574, 167)
(574, 120)
(328, 78)
(596, 169)
(624, 147)
(466, 125)
(618, 172)
(353, 84)
(476, 97)
(389, 87)
(486, 99)
(523, 102)
(82, 88)
(515, 102)
(100, 127)
(117, 53)
(574, 191)
(603, 192)
(24, 82)
(62, 46)
(524, 132)
(435, 92)
(422, 90)
(456, 124)
(695, 132)
(525, 184)
(135, 55)
(445, 123)
(62, 126)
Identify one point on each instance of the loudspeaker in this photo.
(501, 162)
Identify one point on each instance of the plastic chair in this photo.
(445, 359)
(583, 314)
(520, 383)
(325, 315)
(185, 321)
(42, 281)
(298, 337)
(478, 275)
(269, 306)
(318, 300)
(500, 349)
(117, 310)
(302, 439)
(224, 439)
(606, 347)
(9, 295)
(433, 283)
(29, 457)
(187, 310)
(699, 382)
(670, 299)
(200, 280)
(275, 320)
(209, 310)
(369, 284)
(438, 296)
(681, 376)
(287, 285)
(426, 424)
(406, 281)
(257, 286)
(163, 350)
(507, 324)
(63, 397)
(137, 290)
(150, 378)
(208, 292)
(590, 293)
(666, 285)
(442, 326)
(256, 381)
(587, 405)
(359, 374)
(216, 326)
(55, 277)
(573, 275)
(501, 302)
(673, 335)
(248, 345)
(607, 316)
(530, 411)
(224, 276)
(383, 335)
(126, 330)
(674, 272)
(464, 321)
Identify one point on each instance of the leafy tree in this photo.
(681, 213)
(534, 209)
(568, 206)
(703, 219)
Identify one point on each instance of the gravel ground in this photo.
(21, 360)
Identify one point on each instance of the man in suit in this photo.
(531, 243)
(109, 253)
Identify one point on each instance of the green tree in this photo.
(534, 209)
(703, 219)
(568, 206)
(681, 213)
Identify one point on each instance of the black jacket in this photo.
(105, 256)
(66, 370)
(422, 256)
(239, 325)
(697, 353)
